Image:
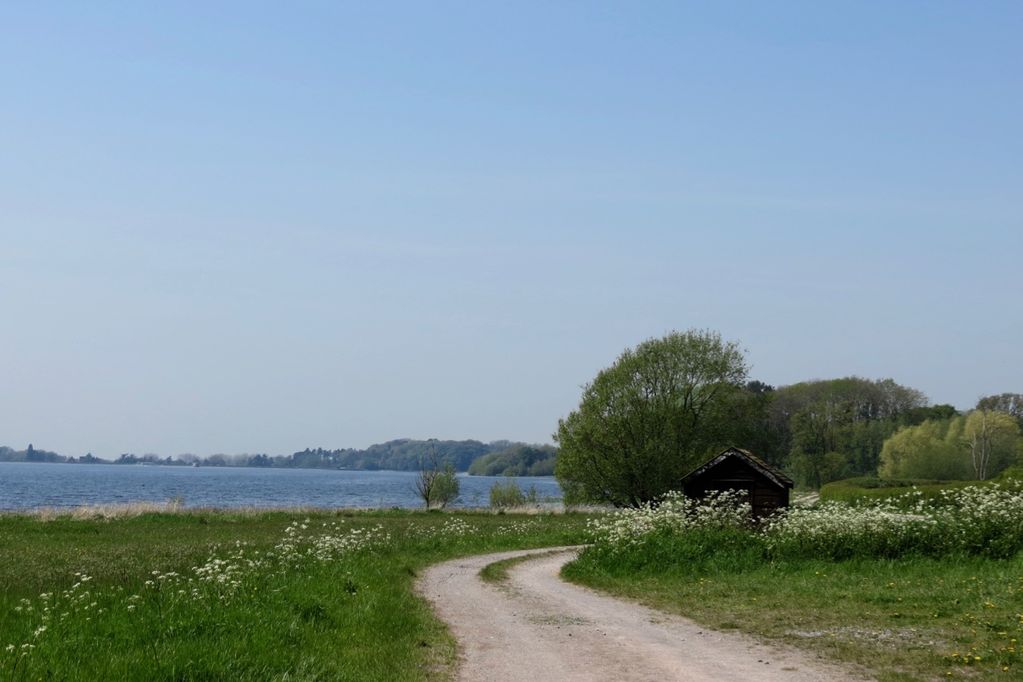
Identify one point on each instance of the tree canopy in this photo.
(1009, 403)
(652, 416)
(977, 445)
(835, 428)
(931, 450)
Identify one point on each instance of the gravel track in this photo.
(536, 627)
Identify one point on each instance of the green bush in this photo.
(509, 494)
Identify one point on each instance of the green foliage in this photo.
(992, 440)
(651, 417)
(509, 494)
(836, 428)
(753, 426)
(403, 454)
(1008, 403)
(933, 450)
(446, 487)
(436, 485)
(977, 445)
(1011, 474)
(699, 552)
(516, 460)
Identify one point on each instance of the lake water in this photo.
(28, 485)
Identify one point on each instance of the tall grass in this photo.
(869, 489)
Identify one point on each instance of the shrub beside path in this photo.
(537, 627)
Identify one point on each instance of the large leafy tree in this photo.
(990, 437)
(931, 450)
(646, 420)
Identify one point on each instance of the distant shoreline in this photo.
(182, 465)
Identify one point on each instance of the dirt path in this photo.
(536, 627)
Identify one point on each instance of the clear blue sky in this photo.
(256, 227)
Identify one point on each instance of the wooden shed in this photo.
(738, 469)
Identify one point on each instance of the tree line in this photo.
(496, 458)
(667, 405)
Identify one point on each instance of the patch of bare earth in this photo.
(537, 627)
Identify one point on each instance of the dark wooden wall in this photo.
(734, 474)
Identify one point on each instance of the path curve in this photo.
(536, 627)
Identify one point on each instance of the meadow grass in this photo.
(906, 619)
(917, 589)
(868, 489)
(207, 595)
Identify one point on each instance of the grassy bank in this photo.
(222, 595)
(911, 596)
(908, 619)
(868, 489)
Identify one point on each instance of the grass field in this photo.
(910, 619)
(328, 595)
(937, 592)
(869, 489)
(240, 596)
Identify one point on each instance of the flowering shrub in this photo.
(981, 520)
(840, 531)
(673, 514)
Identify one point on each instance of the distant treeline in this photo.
(517, 460)
(497, 458)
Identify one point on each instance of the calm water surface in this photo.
(27, 485)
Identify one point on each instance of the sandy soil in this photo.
(537, 627)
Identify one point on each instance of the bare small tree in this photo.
(436, 485)
(426, 481)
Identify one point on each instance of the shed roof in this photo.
(768, 471)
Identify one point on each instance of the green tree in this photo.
(991, 438)
(755, 428)
(931, 450)
(644, 422)
(446, 487)
(977, 445)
